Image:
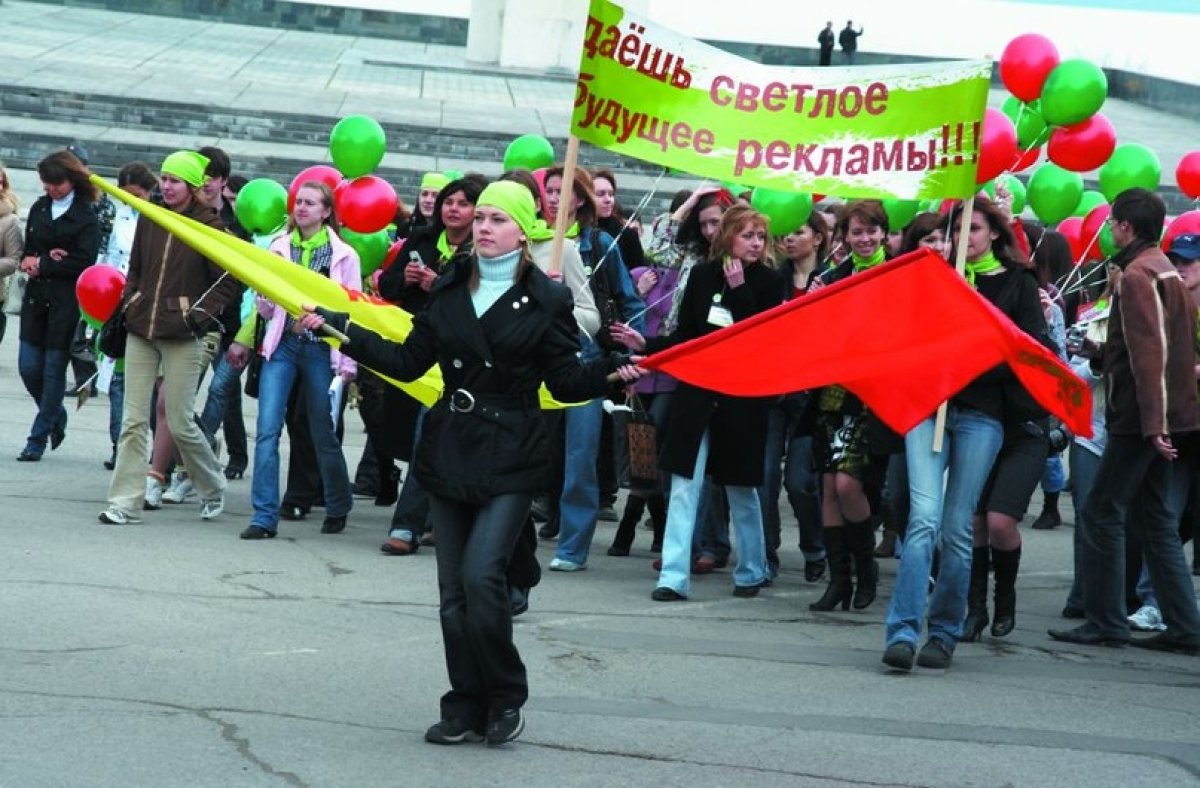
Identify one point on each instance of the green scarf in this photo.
(984, 265)
(864, 263)
(445, 249)
(319, 239)
(544, 232)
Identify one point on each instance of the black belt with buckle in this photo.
(463, 401)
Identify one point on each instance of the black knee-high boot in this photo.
(1006, 563)
(860, 541)
(635, 505)
(977, 612)
(841, 587)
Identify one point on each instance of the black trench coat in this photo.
(737, 426)
(50, 310)
(500, 359)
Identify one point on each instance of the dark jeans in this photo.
(224, 407)
(474, 543)
(1131, 470)
(1084, 464)
(412, 507)
(116, 406)
(44, 373)
(789, 465)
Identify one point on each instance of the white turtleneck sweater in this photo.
(495, 277)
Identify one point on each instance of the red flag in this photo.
(904, 336)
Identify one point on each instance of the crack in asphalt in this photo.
(231, 733)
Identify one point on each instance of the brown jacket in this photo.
(1149, 356)
(171, 290)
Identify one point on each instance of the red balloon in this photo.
(1187, 175)
(1084, 146)
(998, 149)
(1183, 224)
(318, 172)
(1093, 223)
(390, 257)
(1025, 64)
(1071, 228)
(366, 204)
(98, 290)
(1026, 159)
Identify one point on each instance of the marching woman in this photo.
(290, 352)
(708, 432)
(62, 238)
(849, 443)
(496, 326)
(945, 486)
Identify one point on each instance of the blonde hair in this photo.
(6, 192)
(732, 222)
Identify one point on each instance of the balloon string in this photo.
(1036, 142)
(632, 217)
(1083, 280)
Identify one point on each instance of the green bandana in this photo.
(433, 180)
(515, 200)
(188, 166)
(864, 263)
(984, 265)
(319, 239)
(444, 247)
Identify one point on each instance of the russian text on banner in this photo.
(907, 131)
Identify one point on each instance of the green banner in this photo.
(908, 131)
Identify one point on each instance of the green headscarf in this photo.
(515, 200)
(433, 180)
(188, 166)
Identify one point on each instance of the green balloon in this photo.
(1108, 247)
(1054, 192)
(372, 248)
(1130, 166)
(356, 145)
(788, 211)
(1015, 188)
(1074, 91)
(1090, 199)
(261, 206)
(453, 175)
(1031, 126)
(900, 213)
(530, 152)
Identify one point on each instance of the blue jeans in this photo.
(1054, 478)
(44, 373)
(744, 510)
(1084, 464)
(412, 505)
(789, 464)
(116, 406)
(580, 501)
(225, 401)
(310, 361)
(941, 509)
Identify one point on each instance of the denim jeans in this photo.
(44, 373)
(1084, 464)
(412, 506)
(1054, 478)
(789, 464)
(116, 406)
(1132, 472)
(744, 510)
(942, 506)
(224, 404)
(580, 501)
(310, 362)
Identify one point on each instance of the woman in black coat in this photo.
(62, 238)
(710, 432)
(497, 327)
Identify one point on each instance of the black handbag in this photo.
(254, 366)
(113, 335)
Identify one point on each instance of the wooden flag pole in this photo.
(960, 265)
(565, 200)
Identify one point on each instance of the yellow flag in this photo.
(291, 286)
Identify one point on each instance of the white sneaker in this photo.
(563, 565)
(1147, 619)
(154, 494)
(211, 509)
(115, 515)
(181, 489)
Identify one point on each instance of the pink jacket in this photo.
(344, 269)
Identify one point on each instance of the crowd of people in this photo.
(491, 472)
